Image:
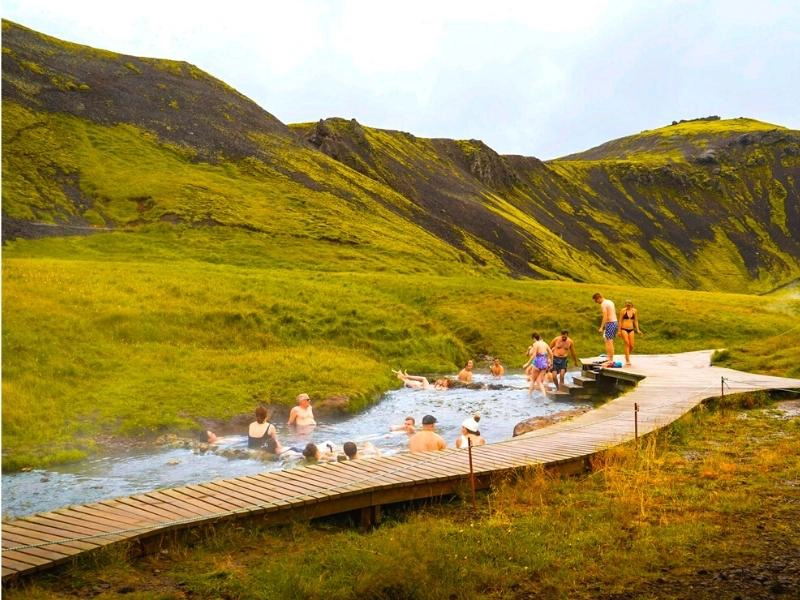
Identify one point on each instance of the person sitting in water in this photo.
(427, 439)
(351, 450)
(261, 433)
(465, 374)
(302, 414)
(415, 382)
(496, 368)
(409, 426)
(470, 433)
(311, 453)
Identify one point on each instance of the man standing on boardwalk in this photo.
(608, 326)
(562, 347)
(427, 439)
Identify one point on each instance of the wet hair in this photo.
(564, 332)
(535, 335)
(350, 449)
(310, 451)
(261, 414)
(412, 419)
(596, 296)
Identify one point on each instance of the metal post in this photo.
(636, 421)
(722, 387)
(471, 472)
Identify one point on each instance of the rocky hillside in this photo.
(97, 141)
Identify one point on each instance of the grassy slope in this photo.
(90, 351)
(709, 509)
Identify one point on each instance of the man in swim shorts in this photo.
(563, 346)
(608, 326)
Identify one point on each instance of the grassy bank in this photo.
(707, 509)
(99, 341)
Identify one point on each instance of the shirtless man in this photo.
(465, 374)
(302, 414)
(409, 426)
(497, 369)
(562, 346)
(608, 326)
(427, 439)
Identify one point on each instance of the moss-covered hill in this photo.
(705, 204)
(95, 140)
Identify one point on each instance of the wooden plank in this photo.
(408, 469)
(316, 480)
(187, 510)
(245, 501)
(204, 507)
(46, 534)
(45, 553)
(161, 511)
(25, 559)
(18, 565)
(255, 497)
(266, 492)
(65, 530)
(112, 515)
(278, 488)
(16, 539)
(77, 523)
(287, 486)
(146, 511)
(91, 517)
(220, 495)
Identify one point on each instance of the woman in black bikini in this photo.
(628, 323)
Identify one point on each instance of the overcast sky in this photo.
(541, 79)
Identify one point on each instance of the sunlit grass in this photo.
(98, 341)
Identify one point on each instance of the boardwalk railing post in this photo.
(636, 421)
(471, 472)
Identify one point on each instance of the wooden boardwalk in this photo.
(670, 386)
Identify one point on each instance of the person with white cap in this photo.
(427, 438)
(470, 433)
(302, 415)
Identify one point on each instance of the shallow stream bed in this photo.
(139, 471)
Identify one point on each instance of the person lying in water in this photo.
(415, 382)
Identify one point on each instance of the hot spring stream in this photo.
(141, 471)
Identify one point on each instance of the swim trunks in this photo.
(559, 363)
(611, 330)
(540, 362)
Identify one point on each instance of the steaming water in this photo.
(142, 471)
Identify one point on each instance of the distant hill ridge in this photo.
(706, 204)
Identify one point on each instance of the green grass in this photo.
(702, 510)
(134, 334)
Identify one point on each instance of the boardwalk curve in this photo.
(669, 387)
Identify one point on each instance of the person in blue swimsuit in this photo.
(609, 326)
